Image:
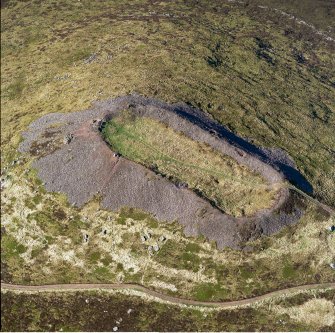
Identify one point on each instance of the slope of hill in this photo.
(264, 69)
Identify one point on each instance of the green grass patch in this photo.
(94, 257)
(246, 272)
(192, 247)
(175, 255)
(11, 246)
(208, 291)
(15, 89)
(134, 214)
(107, 260)
(289, 272)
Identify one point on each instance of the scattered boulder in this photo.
(68, 138)
(90, 59)
(102, 124)
(3, 183)
(147, 235)
(156, 247)
(143, 238)
(162, 238)
(150, 249)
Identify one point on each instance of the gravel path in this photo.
(164, 297)
(86, 167)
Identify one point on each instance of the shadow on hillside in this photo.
(290, 173)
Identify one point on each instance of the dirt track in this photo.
(170, 299)
(87, 167)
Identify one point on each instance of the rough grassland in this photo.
(258, 72)
(43, 242)
(67, 311)
(319, 13)
(232, 187)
